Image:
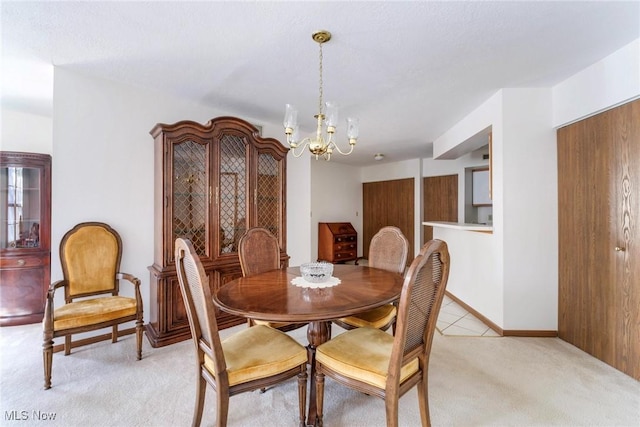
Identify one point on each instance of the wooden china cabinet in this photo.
(212, 182)
(25, 236)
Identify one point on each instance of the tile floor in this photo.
(455, 320)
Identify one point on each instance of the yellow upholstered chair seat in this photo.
(250, 359)
(90, 254)
(258, 352)
(259, 251)
(388, 366)
(93, 311)
(275, 325)
(378, 317)
(363, 354)
(388, 250)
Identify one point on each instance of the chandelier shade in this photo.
(322, 143)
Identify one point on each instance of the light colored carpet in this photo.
(474, 381)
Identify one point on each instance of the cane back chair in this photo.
(251, 359)
(388, 250)
(379, 364)
(259, 251)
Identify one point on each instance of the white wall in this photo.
(477, 279)
(459, 139)
(612, 81)
(337, 194)
(519, 283)
(474, 275)
(300, 230)
(502, 278)
(103, 165)
(529, 211)
(30, 133)
(337, 197)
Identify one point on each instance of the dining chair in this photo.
(90, 254)
(251, 359)
(380, 364)
(259, 252)
(388, 250)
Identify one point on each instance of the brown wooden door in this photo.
(599, 231)
(388, 203)
(440, 199)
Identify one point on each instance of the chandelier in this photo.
(322, 143)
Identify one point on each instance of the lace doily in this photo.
(300, 281)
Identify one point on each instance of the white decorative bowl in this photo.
(316, 272)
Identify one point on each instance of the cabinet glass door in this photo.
(20, 206)
(191, 195)
(268, 194)
(232, 193)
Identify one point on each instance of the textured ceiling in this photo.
(407, 70)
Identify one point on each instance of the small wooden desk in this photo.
(271, 296)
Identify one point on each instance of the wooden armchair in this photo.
(251, 359)
(379, 364)
(259, 251)
(90, 254)
(388, 250)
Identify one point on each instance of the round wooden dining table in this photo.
(272, 296)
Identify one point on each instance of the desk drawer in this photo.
(342, 247)
(345, 238)
(345, 256)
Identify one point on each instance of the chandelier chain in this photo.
(320, 74)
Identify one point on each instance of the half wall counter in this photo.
(483, 228)
(475, 277)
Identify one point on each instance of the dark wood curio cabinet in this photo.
(212, 183)
(25, 236)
